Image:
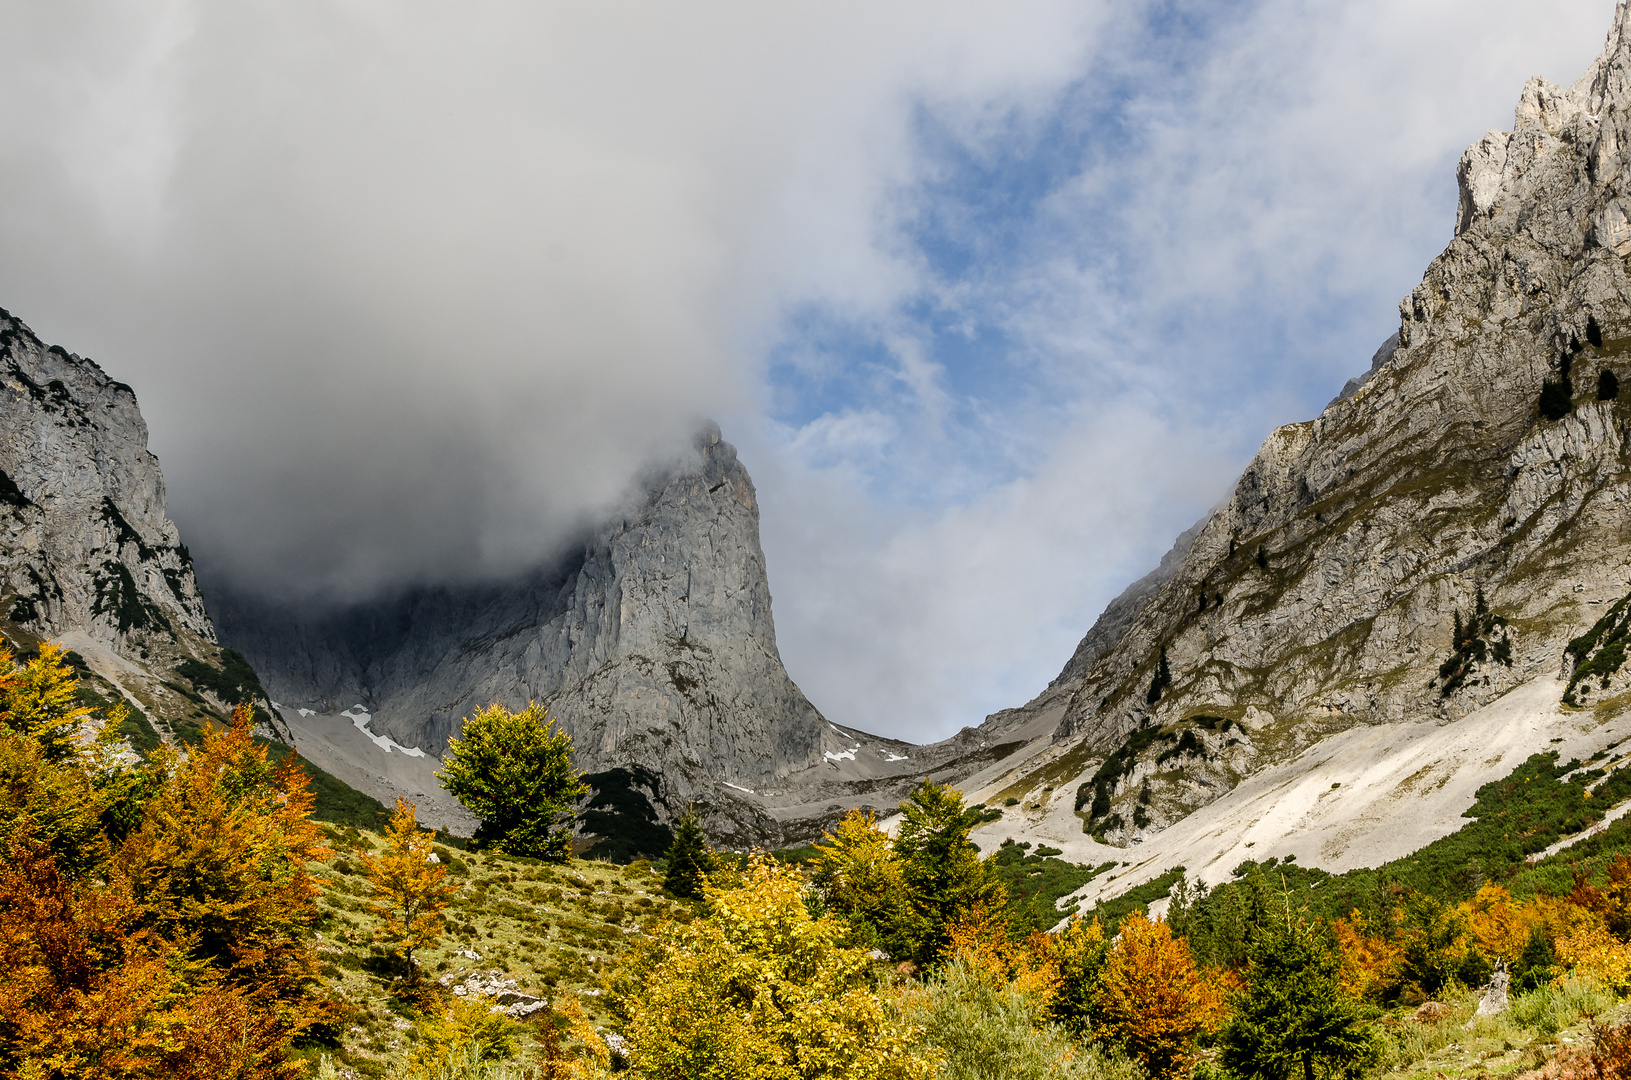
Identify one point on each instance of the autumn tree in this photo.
(863, 882)
(153, 919)
(514, 771)
(1152, 1001)
(941, 865)
(1294, 1020)
(1079, 953)
(409, 893)
(758, 988)
(221, 860)
(40, 699)
(688, 857)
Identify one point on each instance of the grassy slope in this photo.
(553, 929)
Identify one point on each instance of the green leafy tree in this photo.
(1294, 1021)
(689, 859)
(942, 867)
(514, 771)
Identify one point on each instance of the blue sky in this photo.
(995, 299)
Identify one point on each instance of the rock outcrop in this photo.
(87, 554)
(653, 644)
(1473, 466)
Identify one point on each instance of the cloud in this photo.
(1201, 238)
(410, 291)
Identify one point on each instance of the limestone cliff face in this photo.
(1324, 593)
(653, 645)
(87, 554)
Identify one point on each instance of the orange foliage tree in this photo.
(407, 882)
(1152, 1001)
(220, 861)
(153, 919)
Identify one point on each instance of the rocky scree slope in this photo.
(653, 645)
(1435, 538)
(88, 556)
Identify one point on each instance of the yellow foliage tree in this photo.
(758, 989)
(980, 936)
(221, 859)
(40, 699)
(409, 892)
(863, 882)
(1152, 1001)
(1590, 949)
(1371, 964)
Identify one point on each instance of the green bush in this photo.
(988, 1031)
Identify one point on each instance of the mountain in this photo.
(88, 556)
(652, 643)
(1401, 578)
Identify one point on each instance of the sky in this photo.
(995, 299)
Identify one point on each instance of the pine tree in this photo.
(942, 866)
(408, 890)
(689, 859)
(1608, 386)
(1294, 1020)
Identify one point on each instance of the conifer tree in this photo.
(408, 890)
(689, 859)
(1608, 386)
(941, 865)
(514, 771)
(1294, 1021)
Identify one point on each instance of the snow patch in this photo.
(739, 787)
(307, 712)
(847, 755)
(894, 757)
(361, 718)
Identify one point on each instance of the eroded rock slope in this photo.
(1473, 480)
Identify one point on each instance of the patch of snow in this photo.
(834, 728)
(894, 757)
(361, 718)
(306, 712)
(738, 787)
(847, 755)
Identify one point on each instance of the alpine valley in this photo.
(1401, 600)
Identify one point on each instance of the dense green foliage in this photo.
(1035, 882)
(1599, 653)
(234, 682)
(514, 771)
(1294, 1019)
(689, 860)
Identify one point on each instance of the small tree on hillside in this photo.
(1152, 1001)
(514, 771)
(1608, 386)
(689, 859)
(941, 865)
(408, 890)
(1294, 1020)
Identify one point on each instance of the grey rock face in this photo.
(1324, 592)
(87, 553)
(653, 644)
